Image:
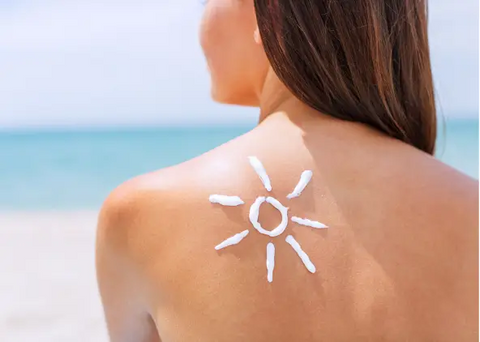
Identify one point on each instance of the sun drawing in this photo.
(233, 201)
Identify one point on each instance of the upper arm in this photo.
(119, 284)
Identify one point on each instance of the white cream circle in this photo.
(255, 210)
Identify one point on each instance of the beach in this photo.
(48, 285)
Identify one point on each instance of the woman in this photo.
(345, 91)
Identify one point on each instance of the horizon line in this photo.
(80, 128)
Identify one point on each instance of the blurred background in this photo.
(93, 93)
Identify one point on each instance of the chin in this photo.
(234, 99)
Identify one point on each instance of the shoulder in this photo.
(137, 205)
(160, 203)
(443, 206)
(403, 169)
(430, 200)
(130, 236)
(439, 186)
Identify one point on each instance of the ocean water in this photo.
(65, 170)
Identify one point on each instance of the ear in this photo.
(256, 36)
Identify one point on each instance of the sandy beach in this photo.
(48, 286)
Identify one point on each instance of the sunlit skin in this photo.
(398, 262)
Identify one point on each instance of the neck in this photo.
(279, 105)
(275, 99)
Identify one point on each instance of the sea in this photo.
(76, 169)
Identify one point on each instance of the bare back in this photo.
(398, 261)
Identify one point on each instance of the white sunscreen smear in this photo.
(309, 223)
(270, 261)
(306, 260)
(260, 170)
(304, 180)
(229, 201)
(255, 210)
(232, 240)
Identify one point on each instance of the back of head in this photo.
(359, 60)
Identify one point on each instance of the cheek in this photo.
(226, 37)
(215, 37)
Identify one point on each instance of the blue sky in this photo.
(106, 62)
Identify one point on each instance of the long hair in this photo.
(359, 60)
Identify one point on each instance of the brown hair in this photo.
(359, 60)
